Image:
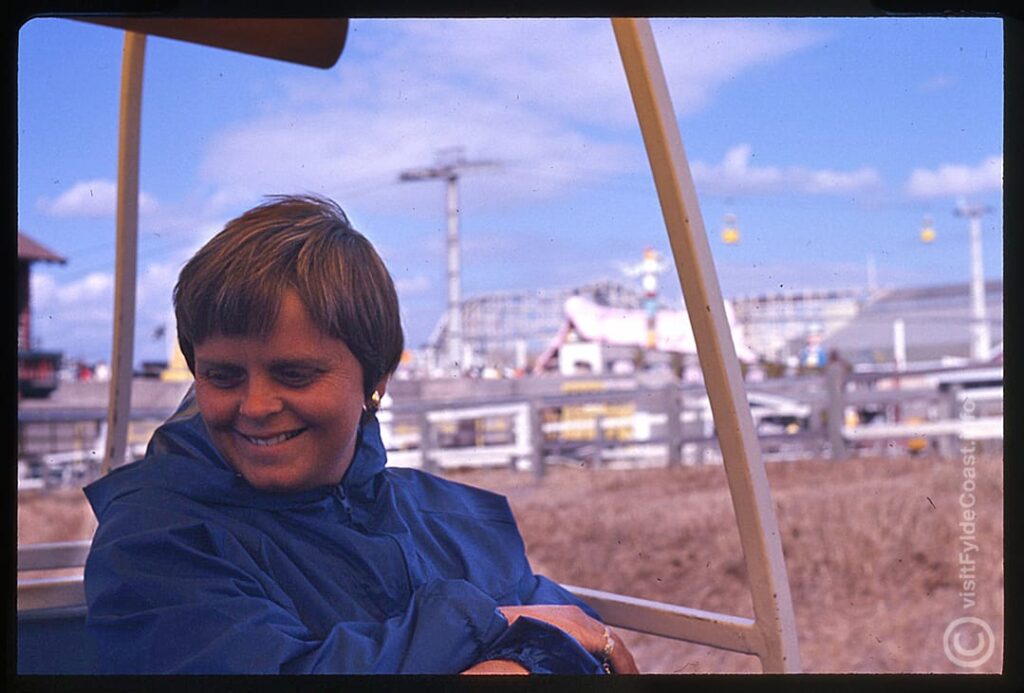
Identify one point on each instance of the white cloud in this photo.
(318, 151)
(76, 316)
(69, 306)
(42, 288)
(701, 55)
(229, 198)
(952, 180)
(548, 98)
(90, 289)
(95, 198)
(735, 175)
(411, 286)
(743, 279)
(571, 68)
(826, 181)
(156, 283)
(936, 83)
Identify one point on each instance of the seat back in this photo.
(52, 637)
(55, 641)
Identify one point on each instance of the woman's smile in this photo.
(283, 409)
(270, 440)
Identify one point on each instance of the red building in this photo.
(37, 370)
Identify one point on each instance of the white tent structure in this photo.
(608, 326)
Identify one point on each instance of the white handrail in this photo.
(734, 633)
(53, 555)
(51, 593)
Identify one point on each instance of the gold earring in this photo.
(374, 404)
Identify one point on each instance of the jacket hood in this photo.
(181, 458)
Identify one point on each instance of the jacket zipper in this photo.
(340, 497)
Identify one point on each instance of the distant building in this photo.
(860, 324)
(512, 329)
(777, 326)
(936, 324)
(37, 370)
(30, 251)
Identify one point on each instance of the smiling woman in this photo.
(284, 409)
(262, 532)
(277, 385)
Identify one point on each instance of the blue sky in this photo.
(830, 140)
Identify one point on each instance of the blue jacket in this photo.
(192, 570)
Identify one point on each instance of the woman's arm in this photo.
(167, 602)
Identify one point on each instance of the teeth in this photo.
(271, 441)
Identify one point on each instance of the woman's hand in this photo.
(497, 666)
(588, 632)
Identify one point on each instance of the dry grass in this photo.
(58, 515)
(871, 548)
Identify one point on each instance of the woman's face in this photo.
(283, 411)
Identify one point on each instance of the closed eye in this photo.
(296, 377)
(224, 378)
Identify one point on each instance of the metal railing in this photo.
(672, 425)
(62, 447)
(44, 593)
(618, 428)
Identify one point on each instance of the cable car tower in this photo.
(450, 164)
(980, 338)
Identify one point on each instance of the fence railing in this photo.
(62, 447)
(641, 427)
(670, 426)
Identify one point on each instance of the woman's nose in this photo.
(259, 400)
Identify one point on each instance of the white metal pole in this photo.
(119, 404)
(980, 345)
(455, 355)
(899, 343)
(748, 482)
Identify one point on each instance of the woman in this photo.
(262, 531)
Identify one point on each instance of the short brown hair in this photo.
(234, 284)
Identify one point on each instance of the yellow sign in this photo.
(592, 413)
(575, 386)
